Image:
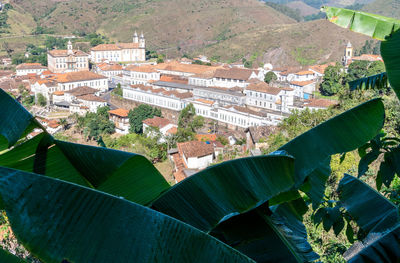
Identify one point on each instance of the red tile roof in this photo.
(119, 112)
(264, 88)
(90, 97)
(302, 83)
(118, 46)
(144, 68)
(78, 76)
(30, 66)
(80, 91)
(320, 103)
(195, 149)
(206, 137)
(64, 53)
(156, 122)
(234, 73)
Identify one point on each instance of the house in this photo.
(46, 87)
(319, 70)
(319, 104)
(71, 95)
(303, 89)
(120, 119)
(69, 60)
(121, 52)
(71, 80)
(109, 70)
(27, 68)
(303, 75)
(262, 95)
(163, 125)
(183, 70)
(144, 74)
(195, 154)
(89, 101)
(235, 77)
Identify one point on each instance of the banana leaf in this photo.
(379, 81)
(371, 210)
(58, 221)
(377, 247)
(391, 56)
(318, 179)
(15, 121)
(343, 133)
(6, 257)
(267, 236)
(124, 174)
(227, 189)
(376, 26)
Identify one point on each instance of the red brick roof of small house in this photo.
(173, 130)
(304, 72)
(302, 83)
(157, 122)
(321, 68)
(368, 57)
(78, 76)
(90, 97)
(80, 91)
(172, 78)
(195, 149)
(119, 112)
(53, 124)
(320, 103)
(109, 67)
(58, 93)
(144, 68)
(210, 102)
(30, 66)
(187, 68)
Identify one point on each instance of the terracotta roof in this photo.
(144, 68)
(119, 112)
(78, 76)
(47, 82)
(179, 176)
(321, 68)
(173, 78)
(195, 149)
(206, 137)
(206, 101)
(59, 93)
(64, 53)
(302, 83)
(53, 124)
(304, 72)
(90, 97)
(188, 68)
(234, 73)
(320, 103)
(30, 66)
(173, 130)
(109, 67)
(264, 88)
(156, 122)
(80, 91)
(174, 93)
(118, 46)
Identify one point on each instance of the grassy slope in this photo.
(389, 8)
(305, 9)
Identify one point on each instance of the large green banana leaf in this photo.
(317, 180)
(57, 221)
(15, 121)
(6, 257)
(371, 210)
(382, 28)
(221, 191)
(119, 173)
(377, 247)
(343, 133)
(376, 26)
(267, 236)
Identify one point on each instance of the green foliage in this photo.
(333, 80)
(118, 90)
(222, 140)
(139, 114)
(270, 76)
(370, 47)
(361, 68)
(41, 100)
(188, 123)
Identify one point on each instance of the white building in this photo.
(70, 60)
(109, 70)
(121, 52)
(120, 119)
(235, 77)
(30, 68)
(163, 125)
(90, 101)
(133, 74)
(195, 154)
(71, 80)
(303, 89)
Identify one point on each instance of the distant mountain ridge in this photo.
(227, 30)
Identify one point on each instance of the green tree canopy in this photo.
(139, 114)
(333, 80)
(270, 76)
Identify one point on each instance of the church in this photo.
(121, 52)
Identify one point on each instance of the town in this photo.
(237, 105)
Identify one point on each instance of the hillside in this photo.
(226, 30)
(304, 9)
(389, 8)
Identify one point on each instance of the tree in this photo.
(189, 123)
(333, 80)
(118, 90)
(41, 100)
(64, 123)
(139, 114)
(270, 76)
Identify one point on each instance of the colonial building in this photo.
(109, 70)
(235, 77)
(30, 68)
(121, 52)
(224, 96)
(71, 80)
(303, 89)
(120, 119)
(70, 60)
(140, 74)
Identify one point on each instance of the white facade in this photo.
(140, 75)
(61, 61)
(29, 68)
(198, 162)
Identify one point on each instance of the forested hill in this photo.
(228, 30)
(384, 7)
